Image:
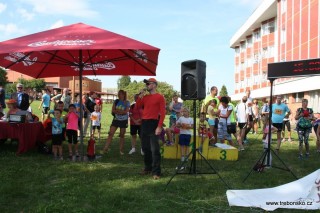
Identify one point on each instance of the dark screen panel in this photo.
(294, 68)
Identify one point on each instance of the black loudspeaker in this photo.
(193, 80)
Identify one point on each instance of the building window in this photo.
(283, 6)
(270, 51)
(249, 61)
(264, 76)
(256, 36)
(314, 101)
(267, 28)
(237, 51)
(256, 58)
(242, 66)
(249, 42)
(242, 46)
(265, 52)
(237, 68)
(283, 37)
(299, 96)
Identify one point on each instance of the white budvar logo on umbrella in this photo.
(15, 57)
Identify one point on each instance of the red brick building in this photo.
(278, 31)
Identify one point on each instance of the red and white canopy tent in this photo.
(77, 50)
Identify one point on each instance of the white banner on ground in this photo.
(300, 194)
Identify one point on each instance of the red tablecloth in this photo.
(27, 134)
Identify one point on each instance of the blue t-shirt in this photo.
(279, 112)
(56, 126)
(176, 107)
(46, 100)
(122, 106)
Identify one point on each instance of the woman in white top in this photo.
(224, 112)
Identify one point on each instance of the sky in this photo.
(183, 29)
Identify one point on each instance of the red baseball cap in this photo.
(153, 80)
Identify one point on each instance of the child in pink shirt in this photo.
(72, 129)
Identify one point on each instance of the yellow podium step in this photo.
(174, 151)
(223, 152)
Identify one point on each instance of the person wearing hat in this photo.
(13, 109)
(154, 110)
(21, 98)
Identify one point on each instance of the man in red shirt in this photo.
(154, 110)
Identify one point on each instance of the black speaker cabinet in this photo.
(193, 80)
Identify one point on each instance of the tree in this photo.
(123, 82)
(3, 77)
(223, 91)
(34, 85)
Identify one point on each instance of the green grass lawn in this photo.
(34, 182)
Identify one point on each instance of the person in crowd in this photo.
(153, 116)
(78, 105)
(13, 109)
(265, 112)
(23, 100)
(99, 102)
(204, 130)
(89, 107)
(250, 115)
(57, 138)
(45, 103)
(224, 119)
(304, 116)
(71, 119)
(256, 116)
(66, 99)
(55, 98)
(266, 141)
(233, 120)
(242, 115)
(213, 95)
(171, 133)
(2, 98)
(120, 110)
(175, 108)
(213, 120)
(279, 111)
(185, 124)
(135, 115)
(96, 121)
(286, 123)
(316, 128)
(84, 99)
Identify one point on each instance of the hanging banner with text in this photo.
(300, 194)
(294, 68)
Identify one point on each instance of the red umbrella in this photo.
(64, 51)
(78, 50)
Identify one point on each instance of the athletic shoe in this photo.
(121, 153)
(283, 140)
(133, 150)
(307, 155)
(300, 156)
(289, 140)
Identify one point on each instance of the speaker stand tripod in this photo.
(193, 166)
(265, 162)
(266, 156)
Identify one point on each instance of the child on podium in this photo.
(185, 124)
